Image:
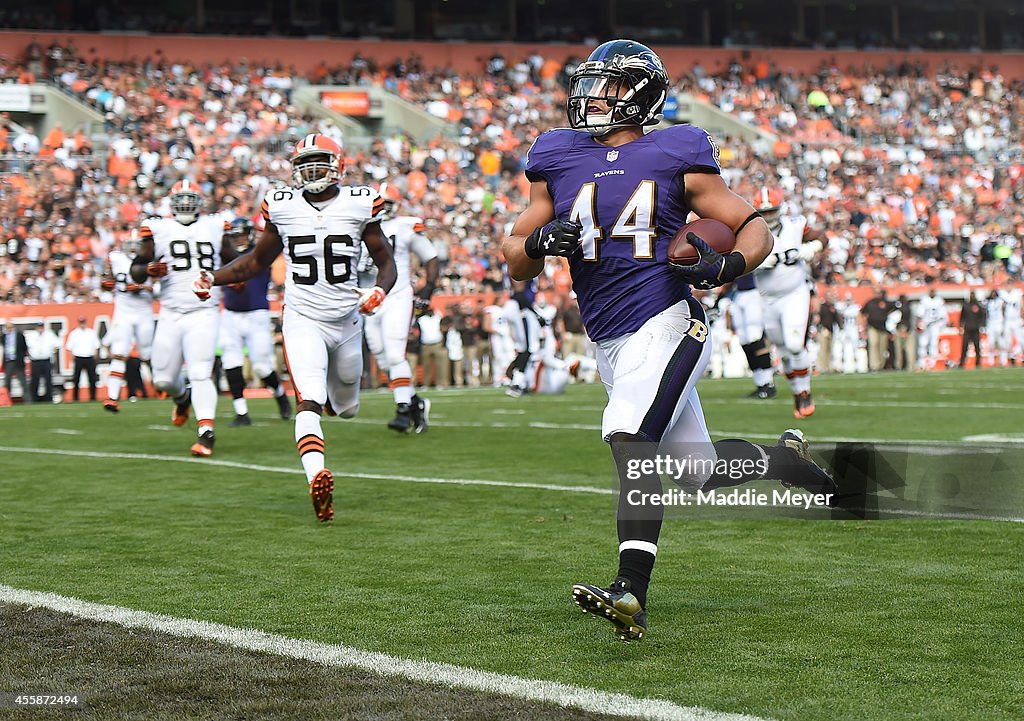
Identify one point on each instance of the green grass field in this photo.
(793, 620)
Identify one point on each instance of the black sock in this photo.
(272, 382)
(746, 462)
(636, 521)
(236, 382)
(636, 565)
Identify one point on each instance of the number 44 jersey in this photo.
(630, 201)
(322, 245)
(186, 249)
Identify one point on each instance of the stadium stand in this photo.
(916, 175)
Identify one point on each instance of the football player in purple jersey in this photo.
(609, 196)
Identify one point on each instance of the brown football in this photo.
(714, 232)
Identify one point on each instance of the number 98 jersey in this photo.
(322, 247)
(186, 249)
(790, 271)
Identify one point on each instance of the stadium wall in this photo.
(307, 54)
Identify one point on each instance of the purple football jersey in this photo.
(252, 297)
(630, 202)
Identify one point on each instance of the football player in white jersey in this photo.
(173, 250)
(994, 329)
(319, 226)
(387, 330)
(133, 316)
(932, 312)
(1013, 322)
(499, 332)
(849, 334)
(548, 374)
(746, 311)
(783, 281)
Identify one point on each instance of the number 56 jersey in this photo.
(186, 249)
(322, 247)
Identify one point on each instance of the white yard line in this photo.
(295, 471)
(337, 655)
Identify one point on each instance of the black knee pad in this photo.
(236, 381)
(759, 356)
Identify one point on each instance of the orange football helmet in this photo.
(317, 163)
(768, 204)
(186, 201)
(392, 197)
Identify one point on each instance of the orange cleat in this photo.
(204, 445)
(179, 416)
(803, 406)
(321, 492)
(111, 405)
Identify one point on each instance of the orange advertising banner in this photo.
(346, 102)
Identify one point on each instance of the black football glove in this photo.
(559, 237)
(712, 269)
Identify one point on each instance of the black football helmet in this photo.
(242, 234)
(626, 75)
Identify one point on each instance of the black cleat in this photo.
(764, 392)
(616, 604)
(241, 420)
(402, 422)
(284, 406)
(420, 413)
(804, 472)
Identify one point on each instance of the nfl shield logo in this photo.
(612, 156)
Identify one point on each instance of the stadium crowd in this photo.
(915, 176)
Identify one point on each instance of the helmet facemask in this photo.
(242, 235)
(185, 206)
(315, 172)
(773, 218)
(629, 87)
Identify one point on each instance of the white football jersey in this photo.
(932, 310)
(1011, 305)
(125, 300)
(499, 322)
(406, 235)
(850, 313)
(994, 312)
(790, 272)
(322, 247)
(186, 249)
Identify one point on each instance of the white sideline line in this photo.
(382, 664)
(418, 479)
